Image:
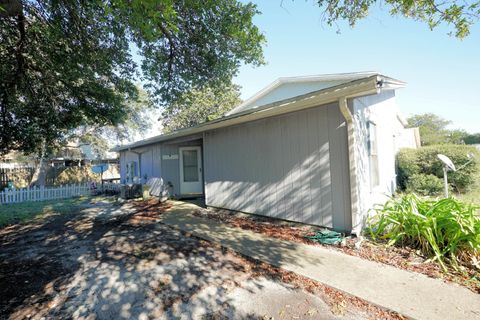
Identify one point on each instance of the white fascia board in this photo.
(388, 83)
(302, 79)
(361, 87)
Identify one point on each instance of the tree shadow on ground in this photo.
(111, 263)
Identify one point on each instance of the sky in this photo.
(442, 72)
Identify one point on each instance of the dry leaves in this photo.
(403, 258)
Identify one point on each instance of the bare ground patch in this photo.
(112, 262)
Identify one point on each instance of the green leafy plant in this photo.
(446, 230)
(425, 184)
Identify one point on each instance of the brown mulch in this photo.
(400, 257)
(267, 226)
(148, 211)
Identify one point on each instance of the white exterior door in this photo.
(191, 181)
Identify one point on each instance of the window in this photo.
(131, 171)
(190, 165)
(373, 154)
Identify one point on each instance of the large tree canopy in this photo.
(461, 15)
(434, 130)
(67, 64)
(200, 105)
(138, 121)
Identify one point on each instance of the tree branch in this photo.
(172, 47)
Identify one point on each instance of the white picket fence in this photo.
(109, 187)
(44, 193)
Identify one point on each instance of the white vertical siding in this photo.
(293, 167)
(382, 110)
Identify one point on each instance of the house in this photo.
(318, 150)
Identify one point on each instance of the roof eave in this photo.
(390, 83)
(356, 88)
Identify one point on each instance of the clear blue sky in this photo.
(442, 72)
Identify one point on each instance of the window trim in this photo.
(372, 146)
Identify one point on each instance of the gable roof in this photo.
(369, 83)
(304, 84)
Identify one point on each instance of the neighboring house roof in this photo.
(332, 87)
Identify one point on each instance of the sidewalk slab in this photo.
(410, 294)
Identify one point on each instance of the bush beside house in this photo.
(424, 184)
(420, 171)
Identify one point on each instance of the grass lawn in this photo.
(22, 212)
(472, 196)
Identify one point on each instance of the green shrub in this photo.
(446, 230)
(424, 161)
(425, 184)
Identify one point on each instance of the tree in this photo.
(473, 138)
(138, 120)
(460, 14)
(68, 64)
(434, 130)
(457, 136)
(200, 105)
(100, 138)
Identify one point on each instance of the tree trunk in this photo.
(10, 8)
(39, 176)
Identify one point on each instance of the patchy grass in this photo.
(26, 211)
(472, 196)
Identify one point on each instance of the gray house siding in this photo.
(293, 167)
(171, 167)
(148, 165)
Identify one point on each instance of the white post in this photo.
(445, 181)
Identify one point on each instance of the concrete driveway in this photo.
(107, 261)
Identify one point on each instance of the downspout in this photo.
(347, 114)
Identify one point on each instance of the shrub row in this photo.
(419, 170)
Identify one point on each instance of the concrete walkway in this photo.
(410, 294)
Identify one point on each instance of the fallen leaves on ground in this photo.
(337, 300)
(147, 211)
(403, 258)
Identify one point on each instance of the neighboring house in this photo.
(318, 150)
